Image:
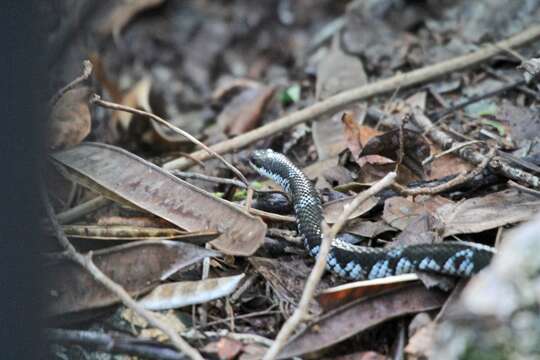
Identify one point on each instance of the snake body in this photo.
(359, 262)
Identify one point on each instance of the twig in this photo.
(87, 71)
(113, 344)
(437, 115)
(81, 210)
(271, 216)
(344, 98)
(85, 261)
(449, 151)
(497, 165)
(219, 180)
(95, 99)
(316, 273)
(458, 180)
(523, 188)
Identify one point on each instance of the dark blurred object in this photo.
(22, 83)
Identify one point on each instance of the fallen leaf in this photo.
(137, 267)
(333, 209)
(336, 72)
(138, 98)
(132, 233)
(340, 295)
(70, 120)
(356, 135)
(488, 212)
(243, 112)
(122, 176)
(360, 315)
(399, 212)
(369, 229)
(180, 294)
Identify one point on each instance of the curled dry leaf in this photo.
(360, 315)
(137, 267)
(343, 294)
(244, 111)
(333, 209)
(70, 120)
(180, 294)
(356, 135)
(122, 176)
(132, 233)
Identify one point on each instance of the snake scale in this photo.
(359, 262)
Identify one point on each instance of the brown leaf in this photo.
(333, 209)
(488, 212)
(122, 176)
(343, 294)
(356, 135)
(399, 212)
(184, 293)
(70, 120)
(336, 72)
(369, 229)
(137, 267)
(358, 316)
(243, 112)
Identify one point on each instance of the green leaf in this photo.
(497, 125)
(291, 94)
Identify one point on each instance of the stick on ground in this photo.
(344, 98)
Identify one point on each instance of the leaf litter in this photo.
(219, 71)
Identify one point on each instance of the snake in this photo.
(354, 262)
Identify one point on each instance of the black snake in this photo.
(359, 262)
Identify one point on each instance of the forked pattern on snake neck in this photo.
(361, 262)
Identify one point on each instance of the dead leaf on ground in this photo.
(356, 135)
(333, 209)
(336, 72)
(132, 233)
(137, 267)
(184, 293)
(358, 316)
(340, 295)
(369, 229)
(244, 111)
(137, 97)
(70, 120)
(122, 176)
(399, 212)
(287, 277)
(488, 212)
(168, 318)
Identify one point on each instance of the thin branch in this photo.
(85, 261)
(456, 147)
(113, 106)
(87, 71)
(113, 344)
(202, 177)
(458, 180)
(342, 99)
(523, 188)
(81, 210)
(316, 273)
(497, 165)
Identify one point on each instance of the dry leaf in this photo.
(333, 209)
(226, 348)
(137, 267)
(243, 112)
(70, 120)
(127, 178)
(180, 294)
(355, 317)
